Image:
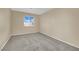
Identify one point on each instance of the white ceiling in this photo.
(37, 11)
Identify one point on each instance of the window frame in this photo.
(32, 21)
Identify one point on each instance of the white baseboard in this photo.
(37, 32)
(22, 33)
(61, 40)
(4, 43)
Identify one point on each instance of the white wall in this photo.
(18, 27)
(61, 24)
(4, 26)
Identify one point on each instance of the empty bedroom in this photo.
(39, 29)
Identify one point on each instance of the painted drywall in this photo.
(61, 24)
(18, 27)
(4, 26)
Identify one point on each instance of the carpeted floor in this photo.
(36, 42)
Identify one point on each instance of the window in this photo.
(28, 21)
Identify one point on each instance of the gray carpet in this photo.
(36, 42)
